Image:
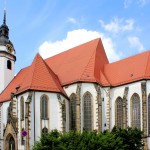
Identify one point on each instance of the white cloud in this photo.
(77, 37)
(72, 20)
(117, 25)
(141, 3)
(135, 43)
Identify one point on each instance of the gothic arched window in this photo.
(22, 108)
(44, 107)
(9, 65)
(135, 111)
(87, 110)
(73, 111)
(119, 112)
(149, 114)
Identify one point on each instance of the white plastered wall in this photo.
(6, 75)
(4, 107)
(119, 91)
(85, 87)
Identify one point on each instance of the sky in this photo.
(50, 27)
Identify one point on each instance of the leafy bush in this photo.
(117, 139)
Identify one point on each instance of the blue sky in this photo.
(52, 26)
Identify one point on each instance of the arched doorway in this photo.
(11, 143)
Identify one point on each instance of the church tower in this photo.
(7, 56)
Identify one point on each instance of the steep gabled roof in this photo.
(82, 63)
(40, 77)
(129, 70)
(11, 88)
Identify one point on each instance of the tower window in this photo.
(9, 65)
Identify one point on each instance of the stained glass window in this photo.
(135, 110)
(22, 108)
(87, 112)
(73, 111)
(44, 107)
(119, 112)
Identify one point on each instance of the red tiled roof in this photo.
(129, 70)
(11, 88)
(82, 63)
(86, 63)
(40, 77)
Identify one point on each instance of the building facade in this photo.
(74, 90)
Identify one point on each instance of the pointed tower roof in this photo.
(4, 33)
(40, 77)
(82, 63)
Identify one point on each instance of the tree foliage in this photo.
(117, 139)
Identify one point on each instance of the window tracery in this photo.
(135, 111)
(44, 107)
(87, 107)
(119, 112)
(73, 111)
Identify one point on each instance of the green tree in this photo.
(117, 139)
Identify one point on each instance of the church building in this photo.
(75, 90)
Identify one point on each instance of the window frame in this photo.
(44, 104)
(73, 114)
(135, 112)
(22, 113)
(83, 108)
(119, 112)
(9, 65)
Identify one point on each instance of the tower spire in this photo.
(4, 21)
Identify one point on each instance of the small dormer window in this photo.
(9, 65)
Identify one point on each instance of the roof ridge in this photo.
(53, 83)
(33, 68)
(123, 59)
(57, 78)
(67, 50)
(105, 77)
(94, 51)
